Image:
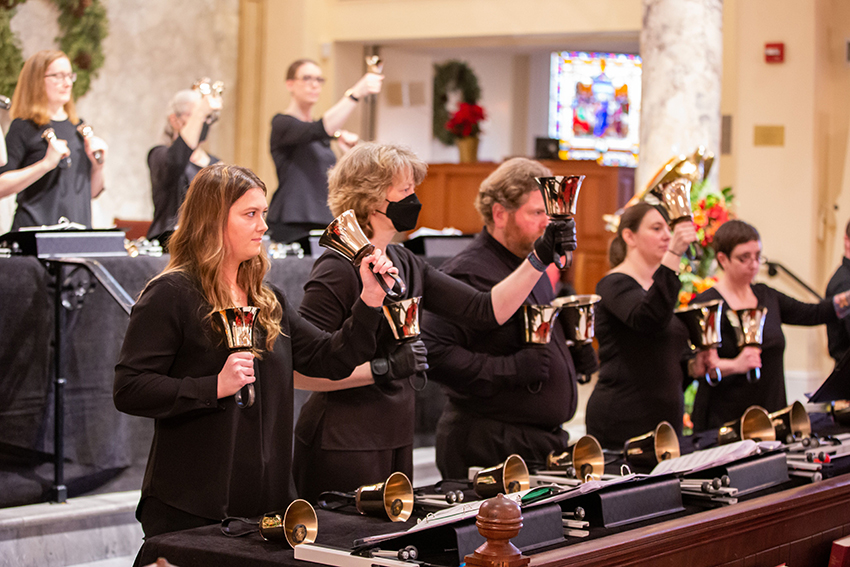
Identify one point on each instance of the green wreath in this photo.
(82, 26)
(448, 77)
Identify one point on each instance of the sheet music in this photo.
(707, 458)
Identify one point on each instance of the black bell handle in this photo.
(754, 375)
(390, 291)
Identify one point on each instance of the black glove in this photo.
(405, 361)
(532, 366)
(558, 239)
(585, 360)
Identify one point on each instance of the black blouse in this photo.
(641, 348)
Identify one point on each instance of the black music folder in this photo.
(837, 384)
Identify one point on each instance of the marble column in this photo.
(681, 44)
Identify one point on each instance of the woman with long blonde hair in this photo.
(211, 458)
(56, 176)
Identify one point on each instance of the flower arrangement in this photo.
(465, 121)
(711, 209)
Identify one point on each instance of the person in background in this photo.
(360, 430)
(175, 163)
(838, 332)
(641, 343)
(302, 154)
(738, 248)
(504, 397)
(52, 178)
(210, 458)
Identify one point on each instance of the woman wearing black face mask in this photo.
(359, 430)
(175, 163)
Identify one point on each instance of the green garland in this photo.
(82, 27)
(448, 77)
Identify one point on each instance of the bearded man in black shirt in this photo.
(504, 396)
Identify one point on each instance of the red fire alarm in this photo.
(774, 52)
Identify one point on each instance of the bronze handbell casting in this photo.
(560, 197)
(345, 237)
(749, 330)
(791, 423)
(582, 460)
(298, 524)
(510, 476)
(403, 318)
(375, 64)
(239, 331)
(392, 498)
(537, 323)
(674, 200)
(645, 451)
(703, 323)
(578, 318)
(86, 131)
(755, 424)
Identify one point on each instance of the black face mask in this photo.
(204, 131)
(404, 213)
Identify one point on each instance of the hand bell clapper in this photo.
(239, 331)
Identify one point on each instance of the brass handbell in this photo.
(510, 476)
(749, 330)
(206, 86)
(578, 317)
(298, 524)
(403, 317)
(375, 64)
(647, 450)
(791, 423)
(392, 498)
(583, 460)
(537, 323)
(239, 331)
(703, 323)
(49, 135)
(86, 132)
(5, 102)
(674, 198)
(755, 424)
(560, 197)
(345, 237)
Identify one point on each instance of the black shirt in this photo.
(302, 156)
(838, 332)
(209, 457)
(62, 192)
(171, 174)
(716, 405)
(641, 347)
(478, 369)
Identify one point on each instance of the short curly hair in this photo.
(508, 185)
(360, 179)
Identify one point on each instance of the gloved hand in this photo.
(585, 361)
(558, 239)
(405, 361)
(532, 365)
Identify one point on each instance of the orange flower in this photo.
(685, 297)
(704, 284)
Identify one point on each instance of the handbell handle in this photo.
(568, 260)
(391, 291)
(713, 377)
(754, 375)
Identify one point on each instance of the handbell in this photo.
(403, 317)
(537, 323)
(239, 332)
(560, 197)
(345, 237)
(392, 498)
(647, 450)
(749, 331)
(703, 323)
(578, 317)
(86, 131)
(583, 460)
(375, 64)
(298, 524)
(49, 135)
(755, 424)
(510, 476)
(674, 198)
(5, 102)
(791, 423)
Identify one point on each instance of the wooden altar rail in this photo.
(795, 526)
(449, 190)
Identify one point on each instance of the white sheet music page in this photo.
(707, 458)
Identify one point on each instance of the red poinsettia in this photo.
(464, 122)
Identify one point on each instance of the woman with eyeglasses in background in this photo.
(56, 177)
(738, 248)
(302, 154)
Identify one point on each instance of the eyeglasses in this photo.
(747, 258)
(60, 77)
(312, 79)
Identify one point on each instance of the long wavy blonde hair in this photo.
(197, 245)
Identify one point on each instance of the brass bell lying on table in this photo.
(298, 524)
(647, 450)
(392, 498)
(583, 460)
(791, 423)
(510, 476)
(755, 424)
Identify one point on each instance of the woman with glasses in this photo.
(738, 248)
(175, 163)
(53, 176)
(301, 149)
